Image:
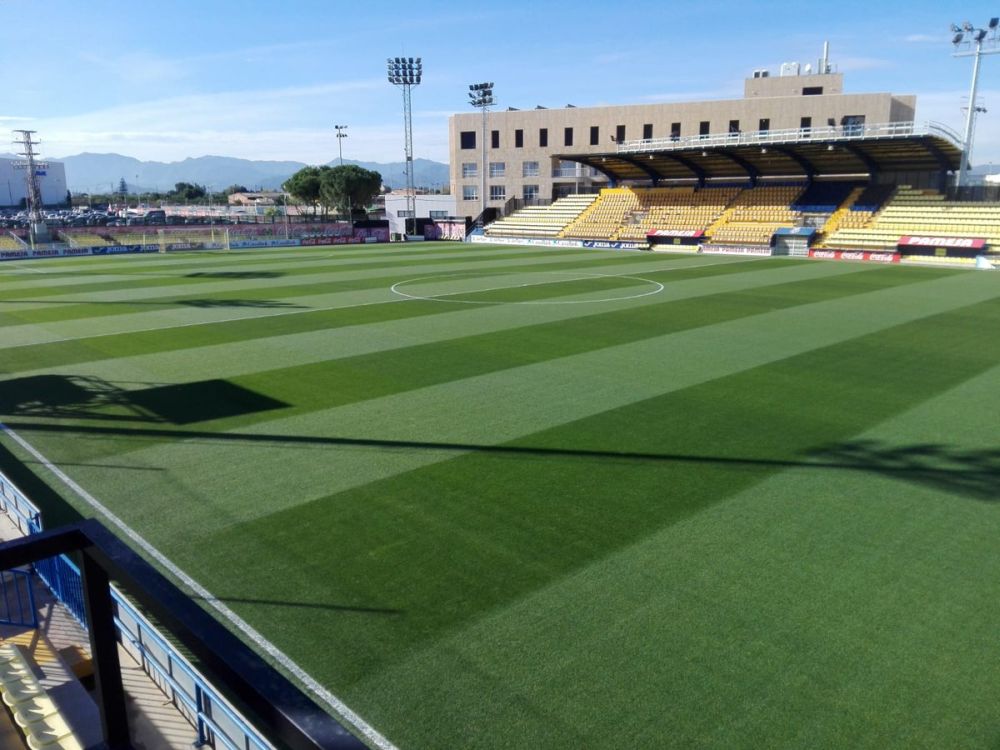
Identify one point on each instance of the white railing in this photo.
(834, 133)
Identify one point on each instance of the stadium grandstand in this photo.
(795, 166)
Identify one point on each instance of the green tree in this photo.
(349, 187)
(186, 191)
(304, 186)
(233, 189)
(122, 186)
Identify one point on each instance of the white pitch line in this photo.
(438, 297)
(338, 706)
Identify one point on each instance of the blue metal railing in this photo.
(216, 722)
(17, 599)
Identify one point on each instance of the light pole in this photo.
(972, 47)
(340, 136)
(481, 97)
(406, 72)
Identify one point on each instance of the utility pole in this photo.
(25, 139)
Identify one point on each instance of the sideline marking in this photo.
(341, 708)
(440, 298)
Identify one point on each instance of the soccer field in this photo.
(520, 497)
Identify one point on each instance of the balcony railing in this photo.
(834, 133)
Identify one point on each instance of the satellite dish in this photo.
(808, 69)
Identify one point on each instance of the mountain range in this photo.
(102, 172)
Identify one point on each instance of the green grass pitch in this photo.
(521, 497)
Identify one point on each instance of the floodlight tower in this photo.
(25, 139)
(481, 97)
(973, 46)
(340, 138)
(406, 72)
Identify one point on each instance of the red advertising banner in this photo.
(964, 243)
(675, 233)
(864, 255)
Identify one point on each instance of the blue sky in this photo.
(165, 81)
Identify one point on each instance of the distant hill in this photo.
(95, 172)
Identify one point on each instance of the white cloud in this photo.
(922, 38)
(281, 123)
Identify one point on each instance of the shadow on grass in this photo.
(81, 397)
(264, 303)
(202, 303)
(974, 474)
(235, 275)
(309, 605)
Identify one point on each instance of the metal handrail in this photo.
(848, 132)
(28, 519)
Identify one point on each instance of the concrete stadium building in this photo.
(14, 188)
(544, 154)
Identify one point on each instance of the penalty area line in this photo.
(324, 695)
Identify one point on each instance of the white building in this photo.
(14, 188)
(427, 207)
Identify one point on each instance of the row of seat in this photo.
(84, 239)
(542, 221)
(9, 243)
(913, 211)
(30, 705)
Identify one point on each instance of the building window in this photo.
(764, 125)
(498, 168)
(494, 139)
(704, 128)
(806, 124)
(518, 138)
(498, 192)
(468, 139)
(529, 169)
(405, 214)
(734, 127)
(470, 169)
(568, 137)
(530, 192)
(675, 131)
(595, 135)
(812, 91)
(543, 137)
(438, 214)
(470, 192)
(647, 131)
(853, 124)
(619, 133)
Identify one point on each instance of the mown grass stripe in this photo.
(588, 487)
(357, 330)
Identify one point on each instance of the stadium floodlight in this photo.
(956, 28)
(406, 72)
(481, 97)
(971, 41)
(341, 135)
